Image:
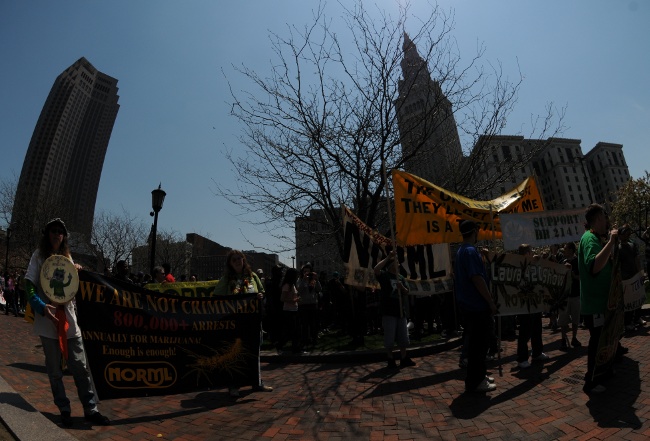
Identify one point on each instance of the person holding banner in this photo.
(393, 304)
(628, 256)
(595, 266)
(238, 277)
(477, 306)
(47, 320)
(571, 311)
(530, 327)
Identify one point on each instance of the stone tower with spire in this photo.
(426, 122)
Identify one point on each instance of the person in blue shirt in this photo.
(477, 306)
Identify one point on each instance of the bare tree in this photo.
(26, 224)
(114, 236)
(318, 128)
(172, 248)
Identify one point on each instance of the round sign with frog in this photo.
(59, 279)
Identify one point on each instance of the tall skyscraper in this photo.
(426, 122)
(65, 156)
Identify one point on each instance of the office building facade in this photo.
(66, 153)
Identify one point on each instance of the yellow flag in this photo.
(426, 213)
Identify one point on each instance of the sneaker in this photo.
(485, 386)
(489, 379)
(524, 364)
(541, 357)
(66, 419)
(262, 388)
(233, 392)
(598, 389)
(576, 343)
(98, 418)
(406, 362)
(640, 321)
(391, 364)
(564, 345)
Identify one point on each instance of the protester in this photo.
(122, 271)
(2, 290)
(272, 292)
(47, 317)
(393, 304)
(20, 290)
(571, 311)
(159, 275)
(645, 237)
(11, 299)
(169, 278)
(630, 261)
(595, 266)
(477, 306)
(238, 277)
(290, 299)
(530, 327)
(309, 291)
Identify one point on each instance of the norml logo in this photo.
(140, 374)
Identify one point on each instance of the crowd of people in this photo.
(12, 290)
(299, 306)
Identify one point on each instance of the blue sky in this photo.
(591, 55)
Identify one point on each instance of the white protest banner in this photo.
(526, 286)
(542, 228)
(634, 292)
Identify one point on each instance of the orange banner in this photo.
(426, 213)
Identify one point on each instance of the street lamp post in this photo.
(157, 199)
(8, 234)
(293, 261)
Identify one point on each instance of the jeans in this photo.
(77, 365)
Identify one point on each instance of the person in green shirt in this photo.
(595, 266)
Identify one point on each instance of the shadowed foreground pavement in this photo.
(351, 399)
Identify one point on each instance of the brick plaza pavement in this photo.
(363, 400)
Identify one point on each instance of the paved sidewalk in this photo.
(352, 399)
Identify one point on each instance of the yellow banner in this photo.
(426, 213)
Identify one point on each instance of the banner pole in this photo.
(392, 233)
(492, 290)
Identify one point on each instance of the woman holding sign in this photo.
(51, 283)
(240, 278)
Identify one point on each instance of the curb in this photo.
(23, 421)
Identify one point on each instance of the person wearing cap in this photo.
(47, 318)
(477, 306)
